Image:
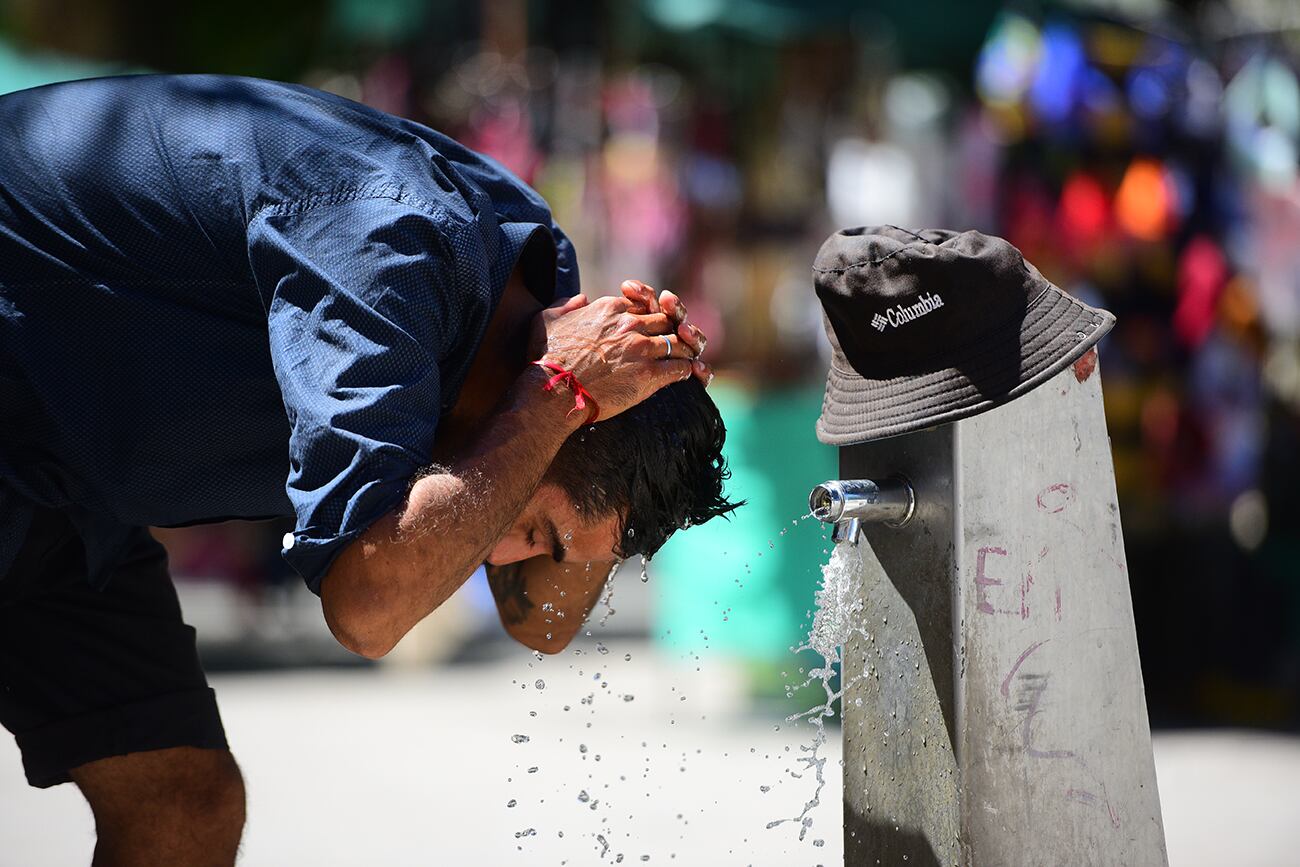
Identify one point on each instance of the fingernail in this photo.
(681, 312)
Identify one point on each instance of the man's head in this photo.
(623, 486)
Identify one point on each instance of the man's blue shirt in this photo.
(222, 297)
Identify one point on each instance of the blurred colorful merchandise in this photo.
(1146, 201)
(1132, 176)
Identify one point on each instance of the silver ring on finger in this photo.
(669, 344)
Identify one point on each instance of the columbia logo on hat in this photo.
(900, 315)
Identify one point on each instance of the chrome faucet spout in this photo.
(847, 531)
(847, 503)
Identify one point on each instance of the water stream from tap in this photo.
(838, 603)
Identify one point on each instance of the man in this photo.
(232, 298)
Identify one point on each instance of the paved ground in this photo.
(393, 768)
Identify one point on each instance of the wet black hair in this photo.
(659, 466)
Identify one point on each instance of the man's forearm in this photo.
(411, 560)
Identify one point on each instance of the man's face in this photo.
(550, 526)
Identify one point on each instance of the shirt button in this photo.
(287, 541)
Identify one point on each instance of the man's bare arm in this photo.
(411, 560)
(542, 603)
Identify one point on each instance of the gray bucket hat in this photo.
(934, 326)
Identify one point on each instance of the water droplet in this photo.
(519, 739)
(541, 684)
(511, 802)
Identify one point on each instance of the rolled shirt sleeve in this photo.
(361, 309)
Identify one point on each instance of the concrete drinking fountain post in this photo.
(994, 711)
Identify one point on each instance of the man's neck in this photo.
(503, 353)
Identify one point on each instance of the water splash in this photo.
(608, 598)
(838, 603)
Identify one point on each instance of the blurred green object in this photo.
(19, 71)
(910, 27)
(381, 21)
(744, 587)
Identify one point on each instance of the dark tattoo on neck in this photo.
(507, 583)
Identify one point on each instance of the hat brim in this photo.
(1056, 331)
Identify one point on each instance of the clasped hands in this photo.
(623, 348)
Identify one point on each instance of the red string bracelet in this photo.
(581, 397)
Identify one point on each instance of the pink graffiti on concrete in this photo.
(1055, 498)
(983, 581)
(1006, 681)
(1029, 701)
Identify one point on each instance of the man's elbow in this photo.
(357, 615)
(359, 638)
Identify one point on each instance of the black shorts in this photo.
(86, 674)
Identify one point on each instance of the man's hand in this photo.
(644, 301)
(618, 348)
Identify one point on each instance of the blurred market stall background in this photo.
(1143, 153)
